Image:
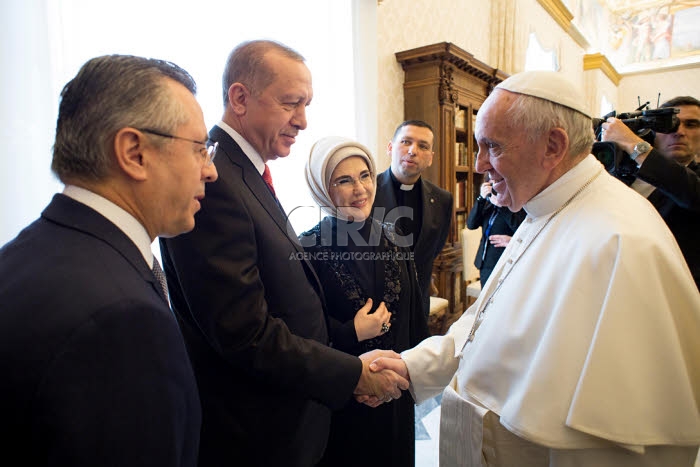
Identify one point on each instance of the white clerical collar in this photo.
(247, 149)
(117, 216)
(403, 186)
(551, 198)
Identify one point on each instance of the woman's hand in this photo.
(369, 325)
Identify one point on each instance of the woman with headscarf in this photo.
(358, 258)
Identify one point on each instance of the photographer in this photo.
(668, 174)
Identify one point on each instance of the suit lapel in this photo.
(430, 221)
(425, 222)
(74, 215)
(385, 197)
(253, 180)
(662, 202)
(258, 188)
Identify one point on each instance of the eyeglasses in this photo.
(208, 152)
(346, 183)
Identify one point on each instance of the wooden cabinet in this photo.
(442, 83)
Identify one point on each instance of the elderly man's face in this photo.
(513, 162)
(274, 118)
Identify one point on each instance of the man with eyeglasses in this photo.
(250, 303)
(95, 370)
(424, 209)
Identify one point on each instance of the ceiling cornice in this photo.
(561, 14)
(599, 61)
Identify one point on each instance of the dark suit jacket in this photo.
(94, 368)
(677, 198)
(254, 324)
(505, 223)
(437, 216)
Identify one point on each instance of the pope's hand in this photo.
(384, 384)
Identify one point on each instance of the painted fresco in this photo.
(638, 34)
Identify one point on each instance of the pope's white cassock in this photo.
(588, 352)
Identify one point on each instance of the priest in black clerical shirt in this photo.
(424, 209)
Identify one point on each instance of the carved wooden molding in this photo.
(446, 93)
(599, 61)
(449, 54)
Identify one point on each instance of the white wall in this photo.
(27, 121)
(46, 41)
(670, 83)
(403, 25)
(597, 85)
(533, 18)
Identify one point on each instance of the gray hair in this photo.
(110, 93)
(538, 116)
(246, 64)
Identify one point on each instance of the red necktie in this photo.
(268, 179)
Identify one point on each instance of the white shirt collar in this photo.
(248, 150)
(117, 216)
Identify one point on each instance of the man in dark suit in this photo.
(94, 368)
(668, 175)
(498, 224)
(250, 303)
(425, 210)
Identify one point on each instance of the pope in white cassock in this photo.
(583, 348)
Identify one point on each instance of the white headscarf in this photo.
(324, 157)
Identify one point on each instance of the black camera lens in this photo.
(605, 153)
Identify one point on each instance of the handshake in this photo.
(384, 376)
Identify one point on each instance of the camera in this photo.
(645, 123)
